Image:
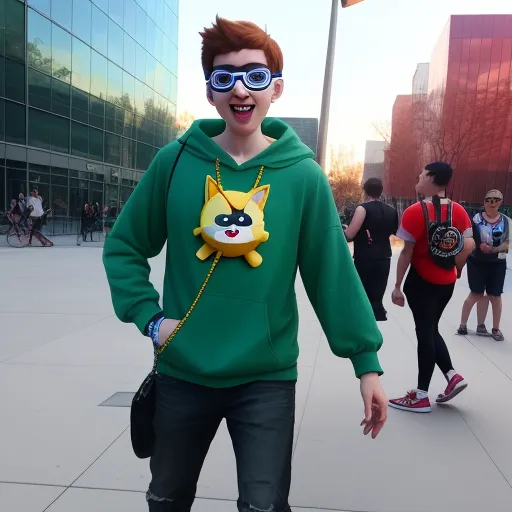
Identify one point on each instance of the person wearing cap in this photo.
(487, 266)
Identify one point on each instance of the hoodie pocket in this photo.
(224, 337)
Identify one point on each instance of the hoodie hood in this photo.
(287, 150)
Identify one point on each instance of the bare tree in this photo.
(345, 176)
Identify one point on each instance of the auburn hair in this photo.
(227, 36)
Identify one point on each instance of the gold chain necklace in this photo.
(212, 268)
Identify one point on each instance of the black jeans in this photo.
(260, 417)
(427, 302)
(374, 276)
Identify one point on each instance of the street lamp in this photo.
(326, 95)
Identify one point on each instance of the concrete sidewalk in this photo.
(63, 353)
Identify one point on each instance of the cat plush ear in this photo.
(260, 195)
(211, 189)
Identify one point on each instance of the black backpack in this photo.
(445, 241)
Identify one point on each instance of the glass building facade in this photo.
(88, 94)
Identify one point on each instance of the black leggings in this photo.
(374, 276)
(427, 302)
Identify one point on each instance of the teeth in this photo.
(242, 109)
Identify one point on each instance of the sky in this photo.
(379, 44)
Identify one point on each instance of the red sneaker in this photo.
(455, 386)
(410, 402)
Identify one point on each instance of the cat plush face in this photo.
(231, 221)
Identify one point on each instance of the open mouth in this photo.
(242, 109)
(231, 233)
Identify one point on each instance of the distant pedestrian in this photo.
(438, 239)
(371, 227)
(487, 266)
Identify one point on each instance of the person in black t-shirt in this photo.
(371, 227)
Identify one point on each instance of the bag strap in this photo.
(183, 144)
(436, 200)
(426, 217)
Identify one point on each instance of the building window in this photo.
(39, 89)
(96, 141)
(115, 43)
(41, 5)
(61, 98)
(115, 84)
(129, 18)
(15, 80)
(140, 29)
(81, 66)
(97, 112)
(15, 128)
(39, 49)
(99, 75)
(79, 139)
(14, 24)
(2, 119)
(112, 148)
(61, 12)
(99, 31)
(82, 19)
(48, 131)
(61, 54)
(130, 46)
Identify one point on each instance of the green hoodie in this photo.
(245, 325)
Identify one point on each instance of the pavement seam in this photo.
(55, 339)
(320, 336)
(87, 468)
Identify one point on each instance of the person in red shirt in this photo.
(428, 286)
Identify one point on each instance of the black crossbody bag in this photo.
(143, 406)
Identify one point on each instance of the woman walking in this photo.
(487, 266)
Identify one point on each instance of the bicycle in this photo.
(18, 234)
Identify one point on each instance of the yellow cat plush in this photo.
(232, 222)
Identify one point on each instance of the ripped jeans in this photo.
(260, 418)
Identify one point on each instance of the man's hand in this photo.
(486, 249)
(375, 404)
(167, 327)
(398, 297)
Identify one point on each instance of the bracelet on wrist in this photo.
(156, 330)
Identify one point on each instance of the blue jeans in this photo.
(260, 418)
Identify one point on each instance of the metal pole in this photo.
(326, 95)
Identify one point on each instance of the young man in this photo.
(246, 206)
(371, 227)
(429, 286)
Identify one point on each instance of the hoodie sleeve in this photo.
(332, 283)
(139, 234)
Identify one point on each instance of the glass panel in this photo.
(16, 182)
(81, 77)
(129, 127)
(15, 83)
(79, 139)
(128, 154)
(111, 197)
(61, 12)
(144, 155)
(110, 117)
(82, 19)
(129, 54)
(96, 144)
(61, 54)
(130, 12)
(119, 120)
(128, 91)
(173, 4)
(2, 120)
(39, 89)
(99, 31)
(115, 43)
(150, 70)
(142, 3)
(98, 75)
(59, 198)
(125, 193)
(150, 36)
(3, 205)
(102, 4)
(61, 97)
(151, 8)
(60, 134)
(115, 83)
(140, 63)
(174, 30)
(115, 11)
(15, 128)
(149, 102)
(159, 45)
(112, 148)
(139, 97)
(174, 59)
(39, 39)
(15, 31)
(41, 5)
(140, 31)
(79, 105)
(2, 73)
(97, 112)
(78, 195)
(39, 135)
